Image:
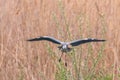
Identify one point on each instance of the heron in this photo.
(66, 46)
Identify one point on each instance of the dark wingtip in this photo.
(99, 40)
(103, 40)
(35, 39)
(30, 40)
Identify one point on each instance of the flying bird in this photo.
(66, 46)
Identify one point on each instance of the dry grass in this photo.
(65, 20)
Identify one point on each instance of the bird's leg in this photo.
(65, 61)
(60, 57)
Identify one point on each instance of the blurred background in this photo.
(65, 20)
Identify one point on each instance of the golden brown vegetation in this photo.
(24, 19)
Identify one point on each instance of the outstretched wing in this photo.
(86, 40)
(51, 39)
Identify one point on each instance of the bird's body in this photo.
(66, 46)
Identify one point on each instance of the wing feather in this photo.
(86, 40)
(47, 38)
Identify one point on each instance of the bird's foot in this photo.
(60, 60)
(65, 64)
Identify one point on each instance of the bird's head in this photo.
(65, 47)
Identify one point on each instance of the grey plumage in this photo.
(46, 38)
(64, 46)
(86, 40)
